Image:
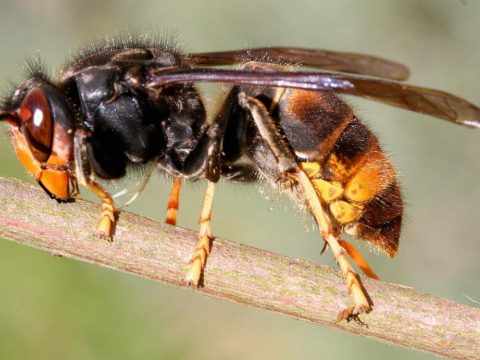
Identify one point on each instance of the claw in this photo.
(352, 314)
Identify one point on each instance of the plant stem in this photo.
(239, 273)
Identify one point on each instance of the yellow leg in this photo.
(361, 299)
(173, 202)
(106, 225)
(204, 244)
(85, 176)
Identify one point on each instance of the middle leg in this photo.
(204, 244)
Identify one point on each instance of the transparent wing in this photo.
(323, 59)
(431, 102)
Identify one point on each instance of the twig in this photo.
(238, 273)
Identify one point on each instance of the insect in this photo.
(131, 104)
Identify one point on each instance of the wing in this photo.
(328, 60)
(422, 100)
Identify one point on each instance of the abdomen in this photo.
(339, 153)
(346, 164)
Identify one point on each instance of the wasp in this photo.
(133, 103)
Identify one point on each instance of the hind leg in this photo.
(292, 172)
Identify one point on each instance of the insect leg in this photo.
(205, 160)
(288, 166)
(173, 201)
(363, 303)
(270, 133)
(85, 176)
(204, 244)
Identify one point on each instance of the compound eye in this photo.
(37, 123)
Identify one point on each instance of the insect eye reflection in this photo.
(37, 124)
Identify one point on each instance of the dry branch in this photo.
(238, 273)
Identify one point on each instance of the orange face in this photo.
(42, 145)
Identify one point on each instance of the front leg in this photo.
(85, 176)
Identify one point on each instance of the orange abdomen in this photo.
(347, 167)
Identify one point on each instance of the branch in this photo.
(238, 273)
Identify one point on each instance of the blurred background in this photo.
(56, 308)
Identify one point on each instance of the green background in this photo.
(53, 308)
